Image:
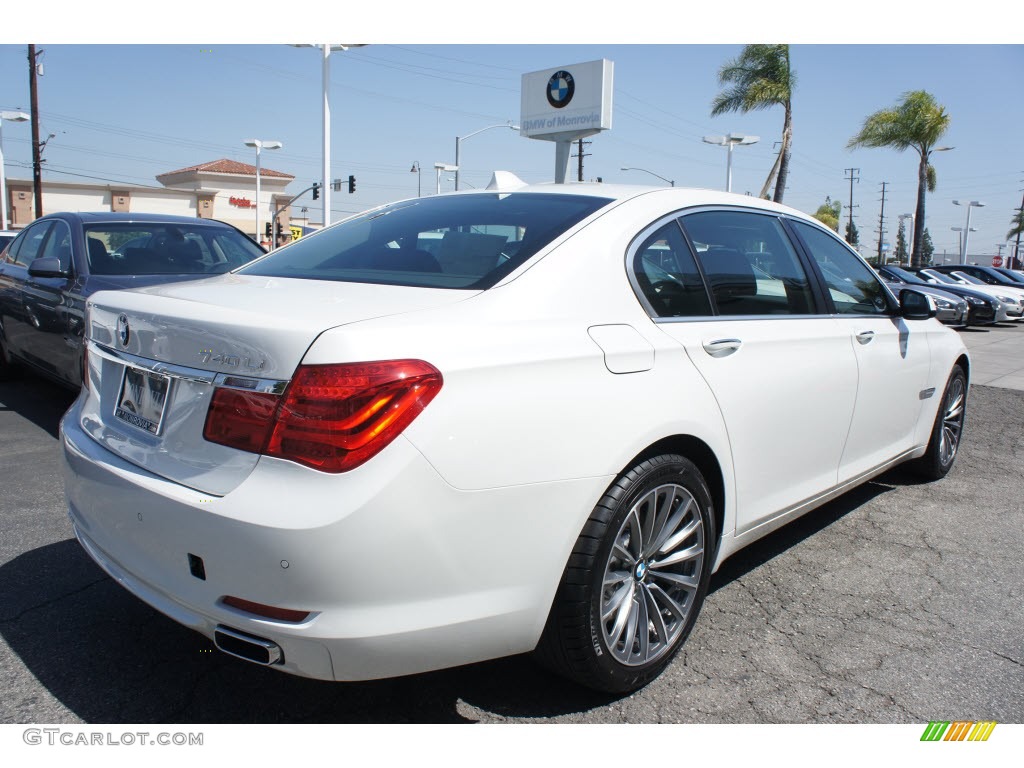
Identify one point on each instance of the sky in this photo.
(126, 113)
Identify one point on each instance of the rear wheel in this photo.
(947, 430)
(8, 369)
(635, 580)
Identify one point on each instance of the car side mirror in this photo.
(915, 305)
(48, 266)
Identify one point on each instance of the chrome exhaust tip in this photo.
(255, 649)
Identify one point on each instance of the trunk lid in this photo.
(157, 353)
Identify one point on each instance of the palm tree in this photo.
(917, 122)
(761, 78)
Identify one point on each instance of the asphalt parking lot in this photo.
(899, 602)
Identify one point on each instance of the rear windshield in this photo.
(466, 241)
(166, 249)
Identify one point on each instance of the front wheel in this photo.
(636, 578)
(948, 429)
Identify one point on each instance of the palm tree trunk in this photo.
(917, 259)
(787, 141)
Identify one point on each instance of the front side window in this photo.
(58, 244)
(466, 241)
(750, 265)
(26, 248)
(854, 288)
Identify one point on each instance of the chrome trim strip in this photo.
(802, 507)
(250, 383)
(226, 380)
(156, 366)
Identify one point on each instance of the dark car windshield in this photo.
(146, 248)
(906, 277)
(465, 241)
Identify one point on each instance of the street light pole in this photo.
(730, 140)
(460, 139)
(419, 177)
(967, 227)
(644, 170)
(13, 117)
(259, 145)
(910, 250)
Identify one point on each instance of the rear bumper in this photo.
(401, 573)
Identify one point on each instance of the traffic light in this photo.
(351, 184)
(316, 191)
(268, 231)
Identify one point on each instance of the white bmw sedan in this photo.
(527, 418)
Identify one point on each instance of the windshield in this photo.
(969, 278)
(940, 277)
(158, 248)
(1016, 277)
(465, 241)
(902, 274)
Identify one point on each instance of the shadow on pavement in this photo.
(37, 400)
(110, 658)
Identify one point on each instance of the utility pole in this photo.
(853, 177)
(37, 166)
(1016, 248)
(580, 154)
(881, 225)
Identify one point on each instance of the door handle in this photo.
(865, 337)
(722, 347)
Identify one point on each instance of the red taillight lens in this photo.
(240, 419)
(331, 417)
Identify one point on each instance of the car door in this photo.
(893, 356)
(730, 288)
(46, 306)
(15, 321)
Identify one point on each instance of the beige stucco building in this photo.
(221, 189)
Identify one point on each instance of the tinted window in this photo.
(852, 284)
(749, 263)
(166, 249)
(58, 244)
(667, 275)
(25, 250)
(466, 241)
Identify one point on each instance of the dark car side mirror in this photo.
(915, 305)
(48, 266)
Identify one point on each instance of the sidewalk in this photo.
(997, 354)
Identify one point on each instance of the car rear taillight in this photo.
(330, 417)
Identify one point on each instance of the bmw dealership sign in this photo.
(567, 103)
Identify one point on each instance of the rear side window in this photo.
(667, 275)
(467, 241)
(750, 265)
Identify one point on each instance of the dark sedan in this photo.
(987, 275)
(949, 309)
(58, 261)
(983, 309)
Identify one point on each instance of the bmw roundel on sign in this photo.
(560, 89)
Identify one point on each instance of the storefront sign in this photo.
(241, 202)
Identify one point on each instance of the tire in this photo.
(947, 431)
(644, 557)
(8, 370)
